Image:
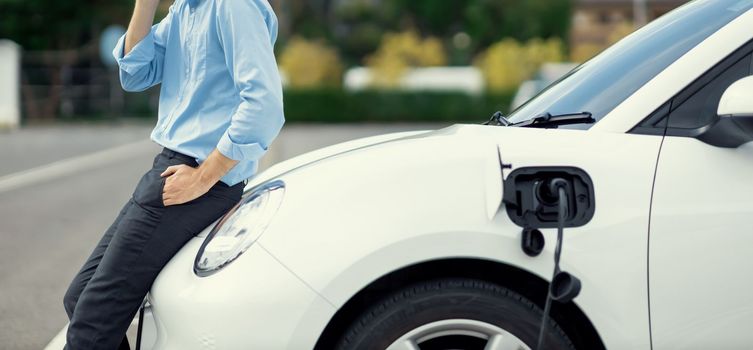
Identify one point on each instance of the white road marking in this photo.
(58, 342)
(72, 165)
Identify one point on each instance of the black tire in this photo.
(444, 299)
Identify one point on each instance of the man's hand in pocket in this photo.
(183, 184)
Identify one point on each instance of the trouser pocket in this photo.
(149, 190)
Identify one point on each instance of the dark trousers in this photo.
(108, 291)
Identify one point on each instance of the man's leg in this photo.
(146, 238)
(84, 275)
(87, 271)
(90, 266)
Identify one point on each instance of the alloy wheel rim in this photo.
(473, 331)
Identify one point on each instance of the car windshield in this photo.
(606, 80)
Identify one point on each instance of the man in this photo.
(220, 108)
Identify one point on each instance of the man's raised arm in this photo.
(141, 23)
(140, 53)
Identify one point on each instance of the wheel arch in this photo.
(569, 316)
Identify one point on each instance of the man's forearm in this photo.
(141, 23)
(215, 167)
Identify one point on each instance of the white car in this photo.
(433, 240)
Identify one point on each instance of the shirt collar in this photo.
(193, 3)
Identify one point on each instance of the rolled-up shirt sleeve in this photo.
(247, 32)
(142, 67)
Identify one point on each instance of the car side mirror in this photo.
(734, 125)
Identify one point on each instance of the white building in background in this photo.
(463, 79)
(10, 84)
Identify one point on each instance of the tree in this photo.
(360, 24)
(488, 21)
(58, 25)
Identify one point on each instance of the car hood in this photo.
(428, 149)
(315, 156)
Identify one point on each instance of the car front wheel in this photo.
(452, 314)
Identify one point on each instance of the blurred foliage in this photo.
(357, 26)
(508, 63)
(337, 106)
(307, 18)
(400, 51)
(310, 64)
(488, 21)
(320, 37)
(373, 106)
(57, 25)
(584, 52)
(354, 26)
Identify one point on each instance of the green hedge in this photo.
(374, 106)
(336, 106)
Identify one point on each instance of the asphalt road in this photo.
(60, 188)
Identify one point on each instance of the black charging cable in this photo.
(555, 186)
(140, 328)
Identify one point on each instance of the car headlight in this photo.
(239, 228)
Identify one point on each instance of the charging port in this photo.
(530, 202)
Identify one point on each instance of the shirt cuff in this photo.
(239, 151)
(141, 55)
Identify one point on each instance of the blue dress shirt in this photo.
(220, 84)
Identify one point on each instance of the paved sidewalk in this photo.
(36, 146)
